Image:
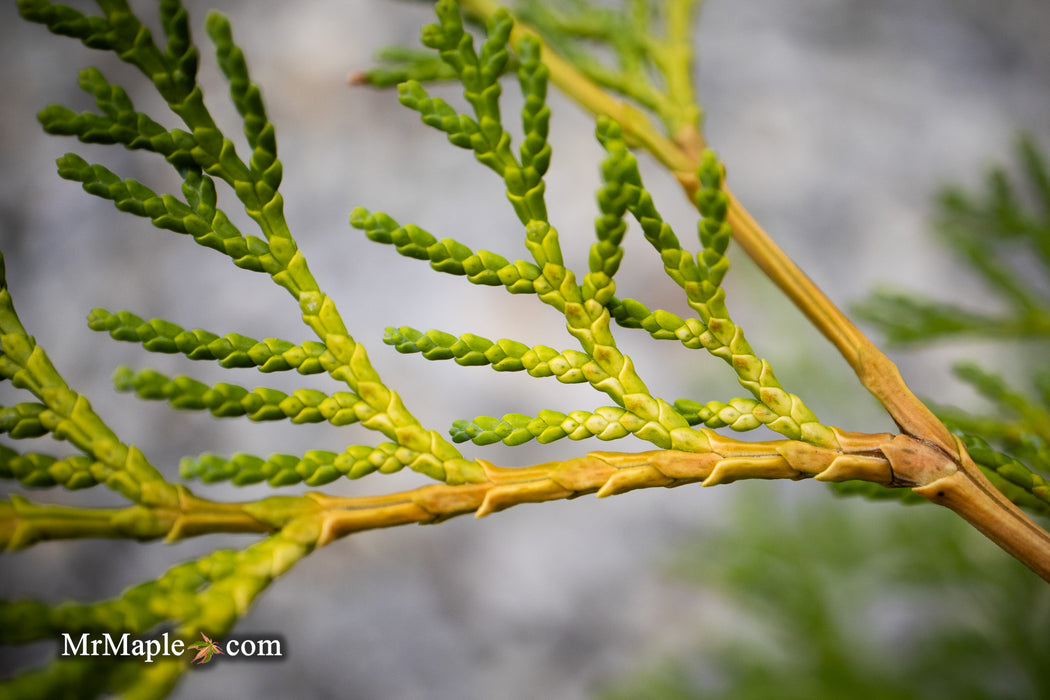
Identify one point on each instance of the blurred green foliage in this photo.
(819, 608)
(1002, 235)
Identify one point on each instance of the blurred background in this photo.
(838, 121)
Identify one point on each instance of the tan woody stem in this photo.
(894, 461)
(607, 474)
(972, 496)
(23, 523)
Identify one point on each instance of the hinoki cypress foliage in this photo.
(985, 468)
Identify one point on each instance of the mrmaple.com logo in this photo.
(148, 649)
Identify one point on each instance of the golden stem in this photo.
(972, 496)
(610, 473)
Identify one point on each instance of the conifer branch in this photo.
(681, 154)
(876, 372)
(645, 101)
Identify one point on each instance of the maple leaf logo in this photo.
(207, 649)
